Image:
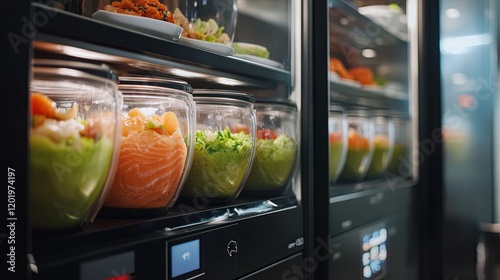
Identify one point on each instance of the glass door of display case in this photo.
(364, 78)
(469, 78)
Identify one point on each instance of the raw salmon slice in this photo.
(150, 167)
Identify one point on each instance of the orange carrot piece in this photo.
(42, 105)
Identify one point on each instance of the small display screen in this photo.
(185, 257)
(374, 255)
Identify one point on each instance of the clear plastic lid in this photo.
(206, 94)
(161, 82)
(278, 101)
(98, 70)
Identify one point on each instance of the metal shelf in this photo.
(343, 192)
(379, 97)
(131, 51)
(180, 219)
(346, 23)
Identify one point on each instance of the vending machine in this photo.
(216, 139)
(363, 68)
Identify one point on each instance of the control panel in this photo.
(373, 251)
(262, 244)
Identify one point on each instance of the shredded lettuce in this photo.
(221, 160)
(221, 141)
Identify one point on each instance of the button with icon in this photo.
(222, 250)
(232, 248)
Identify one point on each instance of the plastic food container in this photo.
(224, 148)
(360, 146)
(337, 141)
(383, 143)
(156, 147)
(275, 156)
(399, 163)
(207, 14)
(73, 142)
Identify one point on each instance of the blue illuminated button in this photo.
(185, 257)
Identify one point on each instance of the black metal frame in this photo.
(15, 77)
(430, 190)
(425, 197)
(315, 108)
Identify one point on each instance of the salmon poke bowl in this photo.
(359, 146)
(156, 146)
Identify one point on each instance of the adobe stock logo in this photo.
(30, 26)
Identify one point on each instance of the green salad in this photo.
(69, 164)
(273, 163)
(220, 163)
(66, 180)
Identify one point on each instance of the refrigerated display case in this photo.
(317, 231)
(247, 238)
(364, 65)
